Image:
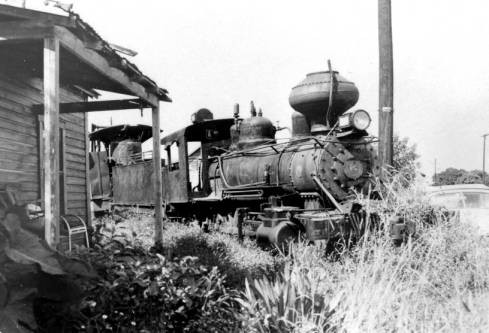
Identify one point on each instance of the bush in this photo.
(436, 281)
(235, 260)
(139, 291)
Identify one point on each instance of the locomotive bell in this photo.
(311, 97)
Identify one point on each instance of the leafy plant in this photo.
(141, 291)
(33, 275)
(289, 303)
(405, 159)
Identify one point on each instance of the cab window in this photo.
(172, 154)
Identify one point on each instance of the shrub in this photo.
(235, 260)
(437, 282)
(139, 291)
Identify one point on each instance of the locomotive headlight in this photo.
(359, 120)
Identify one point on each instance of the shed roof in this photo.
(87, 60)
(138, 133)
(197, 131)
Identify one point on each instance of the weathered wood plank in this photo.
(62, 169)
(19, 161)
(75, 140)
(51, 140)
(28, 91)
(76, 205)
(87, 175)
(77, 196)
(10, 135)
(17, 127)
(158, 194)
(16, 147)
(15, 176)
(15, 108)
(76, 173)
(21, 95)
(36, 15)
(74, 118)
(95, 106)
(75, 154)
(78, 162)
(16, 120)
(77, 189)
(74, 166)
(10, 32)
(75, 181)
(66, 94)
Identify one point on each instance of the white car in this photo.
(470, 201)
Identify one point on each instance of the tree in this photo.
(470, 177)
(452, 176)
(405, 159)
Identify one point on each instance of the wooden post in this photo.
(386, 84)
(88, 189)
(484, 159)
(158, 195)
(51, 141)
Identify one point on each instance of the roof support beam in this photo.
(29, 14)
(51, 142)
(25, 30)
(112, 105)
(158, 190)
(100, 64)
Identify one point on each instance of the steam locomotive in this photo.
(279, 187)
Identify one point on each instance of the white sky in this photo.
(216, 53)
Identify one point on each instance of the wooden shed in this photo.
(51, 67)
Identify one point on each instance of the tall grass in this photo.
(437, 281)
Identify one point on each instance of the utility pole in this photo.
(386, 84)
(434, 177)
(484, 158)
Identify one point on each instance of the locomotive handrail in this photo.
(321, 142)
(329, 195)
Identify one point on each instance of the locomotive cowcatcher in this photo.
(280, 187)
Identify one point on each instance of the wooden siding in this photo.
(19, 143)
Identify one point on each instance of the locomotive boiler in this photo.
(280, 187)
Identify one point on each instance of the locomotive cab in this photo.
(113, 149)
(185, 177)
